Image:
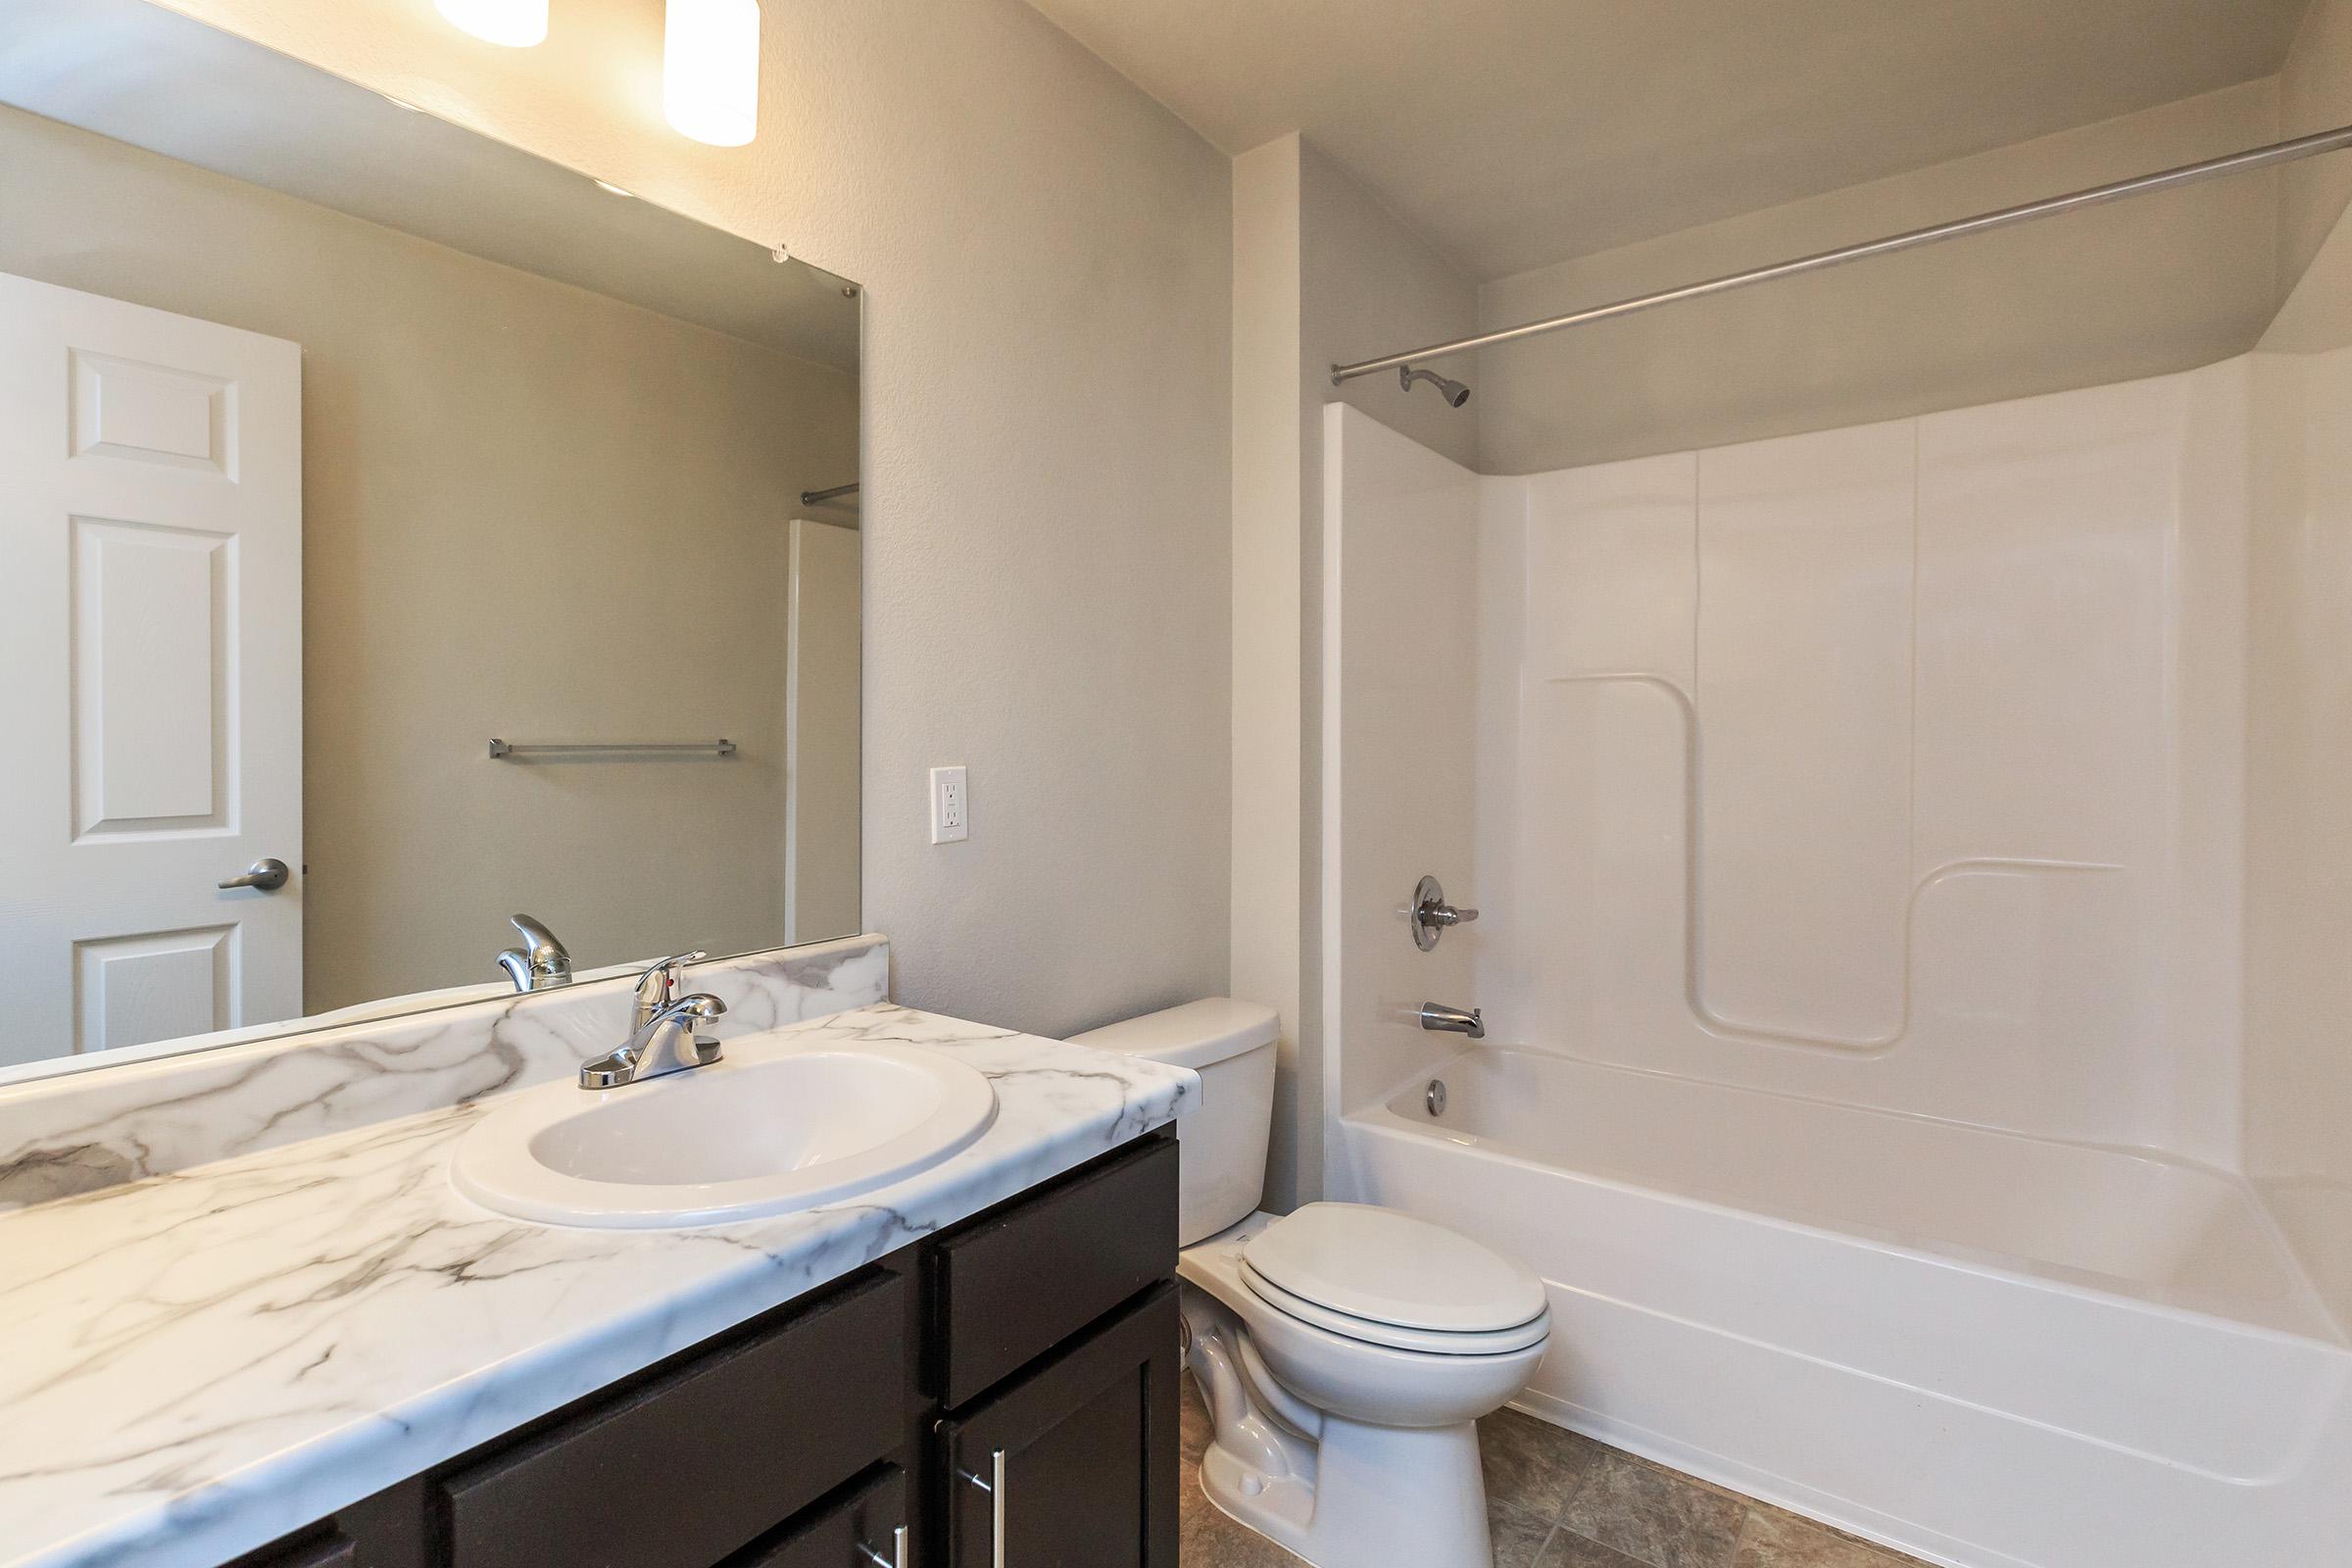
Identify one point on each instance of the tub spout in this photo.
(1453, 1020)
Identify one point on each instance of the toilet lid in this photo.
(1425, 1342)
(1386, 1267)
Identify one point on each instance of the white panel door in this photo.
(150, 672)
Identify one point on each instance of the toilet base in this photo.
(1350, 1495)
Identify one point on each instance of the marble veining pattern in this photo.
(77, 1133)
(204, 1359)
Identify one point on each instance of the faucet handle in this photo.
(670, 971)
(540, 962)
(660, 982)
(539, 943)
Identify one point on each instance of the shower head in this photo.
(1454, 393)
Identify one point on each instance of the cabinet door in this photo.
(1073, 1466)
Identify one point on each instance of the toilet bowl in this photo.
(1345, 1351)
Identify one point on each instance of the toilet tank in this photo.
(1222, 1171)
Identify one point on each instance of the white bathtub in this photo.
(1981, 1349)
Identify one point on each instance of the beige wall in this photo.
(1321, 271)
(1268, 897)
(1046, 258)
(2315, 93)
(529, 512)
(2140, 288)
(2137, 288)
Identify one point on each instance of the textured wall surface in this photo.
(2137, 288)
(1269, 453)
(1326, 274)
(1046, 256)
(2315, 93)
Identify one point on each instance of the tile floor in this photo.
(1561, 1501)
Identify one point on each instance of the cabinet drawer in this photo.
(840, 1532)
(699, 1459)
(1014, 1284)
(1075, 1461)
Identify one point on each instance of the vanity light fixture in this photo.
(516, 24)
(711, 70)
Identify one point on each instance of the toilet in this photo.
(1345, 1351)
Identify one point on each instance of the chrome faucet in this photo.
(540, 963)
(664, 1043)
(1453, 1020)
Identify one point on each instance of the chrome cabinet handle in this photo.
(994, 1486)
(897, 1550)
(266, 876)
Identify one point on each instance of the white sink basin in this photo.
(765, 1130)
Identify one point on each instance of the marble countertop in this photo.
(203, 1360)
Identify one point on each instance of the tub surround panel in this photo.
(1871, 764)
(1803, 703)
(1401, 642)
(81, 1131)
(202, 1362)
(2299, 813)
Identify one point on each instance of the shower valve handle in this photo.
(1432, 915)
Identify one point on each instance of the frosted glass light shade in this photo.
(517, 23)
(711, 70)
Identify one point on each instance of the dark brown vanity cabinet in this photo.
(999, 1395)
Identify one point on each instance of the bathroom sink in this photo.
(765, 1130)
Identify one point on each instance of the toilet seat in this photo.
(1388, 1273)
(1392, 1336)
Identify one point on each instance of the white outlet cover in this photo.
(951, 806)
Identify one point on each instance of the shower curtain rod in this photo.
(2282, 152)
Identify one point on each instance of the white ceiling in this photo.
(1512, 133)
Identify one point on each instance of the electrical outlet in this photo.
(951, 810)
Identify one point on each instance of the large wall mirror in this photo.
(388, 505)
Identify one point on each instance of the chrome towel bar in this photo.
(522, 750)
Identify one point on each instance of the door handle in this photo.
(897, 1550)
(994, 1486)
(266, 876)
